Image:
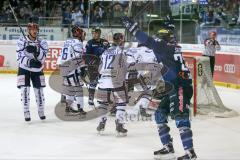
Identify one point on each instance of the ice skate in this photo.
(69, 111)
(80, 110)
(166, 153)
(121, 132)
(190, 155)
(27, 116)
(101, 126)
(41, 115)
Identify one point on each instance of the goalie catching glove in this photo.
(129, 25)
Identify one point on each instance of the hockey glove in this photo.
(129, 25)
(35, 64)
(83, 72)
(31, 49)
(34, 50)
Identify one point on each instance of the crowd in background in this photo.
(67, 12)
(220, 12)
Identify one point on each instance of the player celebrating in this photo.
(94, 47)
(142, 79)
(31, 54)
(72, 49)
(113, 72)
(169, 53)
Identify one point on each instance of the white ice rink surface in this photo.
(214, 138)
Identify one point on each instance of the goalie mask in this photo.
(77, 32)
(33, 29)
(118, 39)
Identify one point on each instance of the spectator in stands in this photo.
(67, 17)
(211, 45)
(117, 12)
(98, 15)
(77, 16)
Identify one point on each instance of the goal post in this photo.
(205, 100)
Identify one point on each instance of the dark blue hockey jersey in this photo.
(171, 56)
(97, 47)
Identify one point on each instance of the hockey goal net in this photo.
(206, 100)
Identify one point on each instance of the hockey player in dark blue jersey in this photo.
(177, 102)
(94, 48)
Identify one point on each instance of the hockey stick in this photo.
(16, 19)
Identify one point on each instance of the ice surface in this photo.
(214, 138)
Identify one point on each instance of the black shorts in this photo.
(24, 77)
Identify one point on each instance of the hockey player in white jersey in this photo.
(112, 81)
(72, 49)
(143, 77)
(31, 54)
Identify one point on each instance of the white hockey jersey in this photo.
(144, 55)
(113, 68)
(72, 48)
(23, 57)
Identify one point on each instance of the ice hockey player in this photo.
(94, 49)
(73, 48)
(63, 97)
(169, 53)
(145, 56)
(112, 81)
(31, 54)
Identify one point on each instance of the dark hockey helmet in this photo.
(118, 38)
(77, 31)
(166, 34)
(31, 26)
(96, 29)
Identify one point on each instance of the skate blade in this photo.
(170, 156)
(118, 134)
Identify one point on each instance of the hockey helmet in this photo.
(213, 33)
(118, 38)
(31, 26)
(77, 31)
(166, 34)
(96, 29)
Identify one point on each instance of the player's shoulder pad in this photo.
(43, 44)
(21, 43)
(132, 50)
